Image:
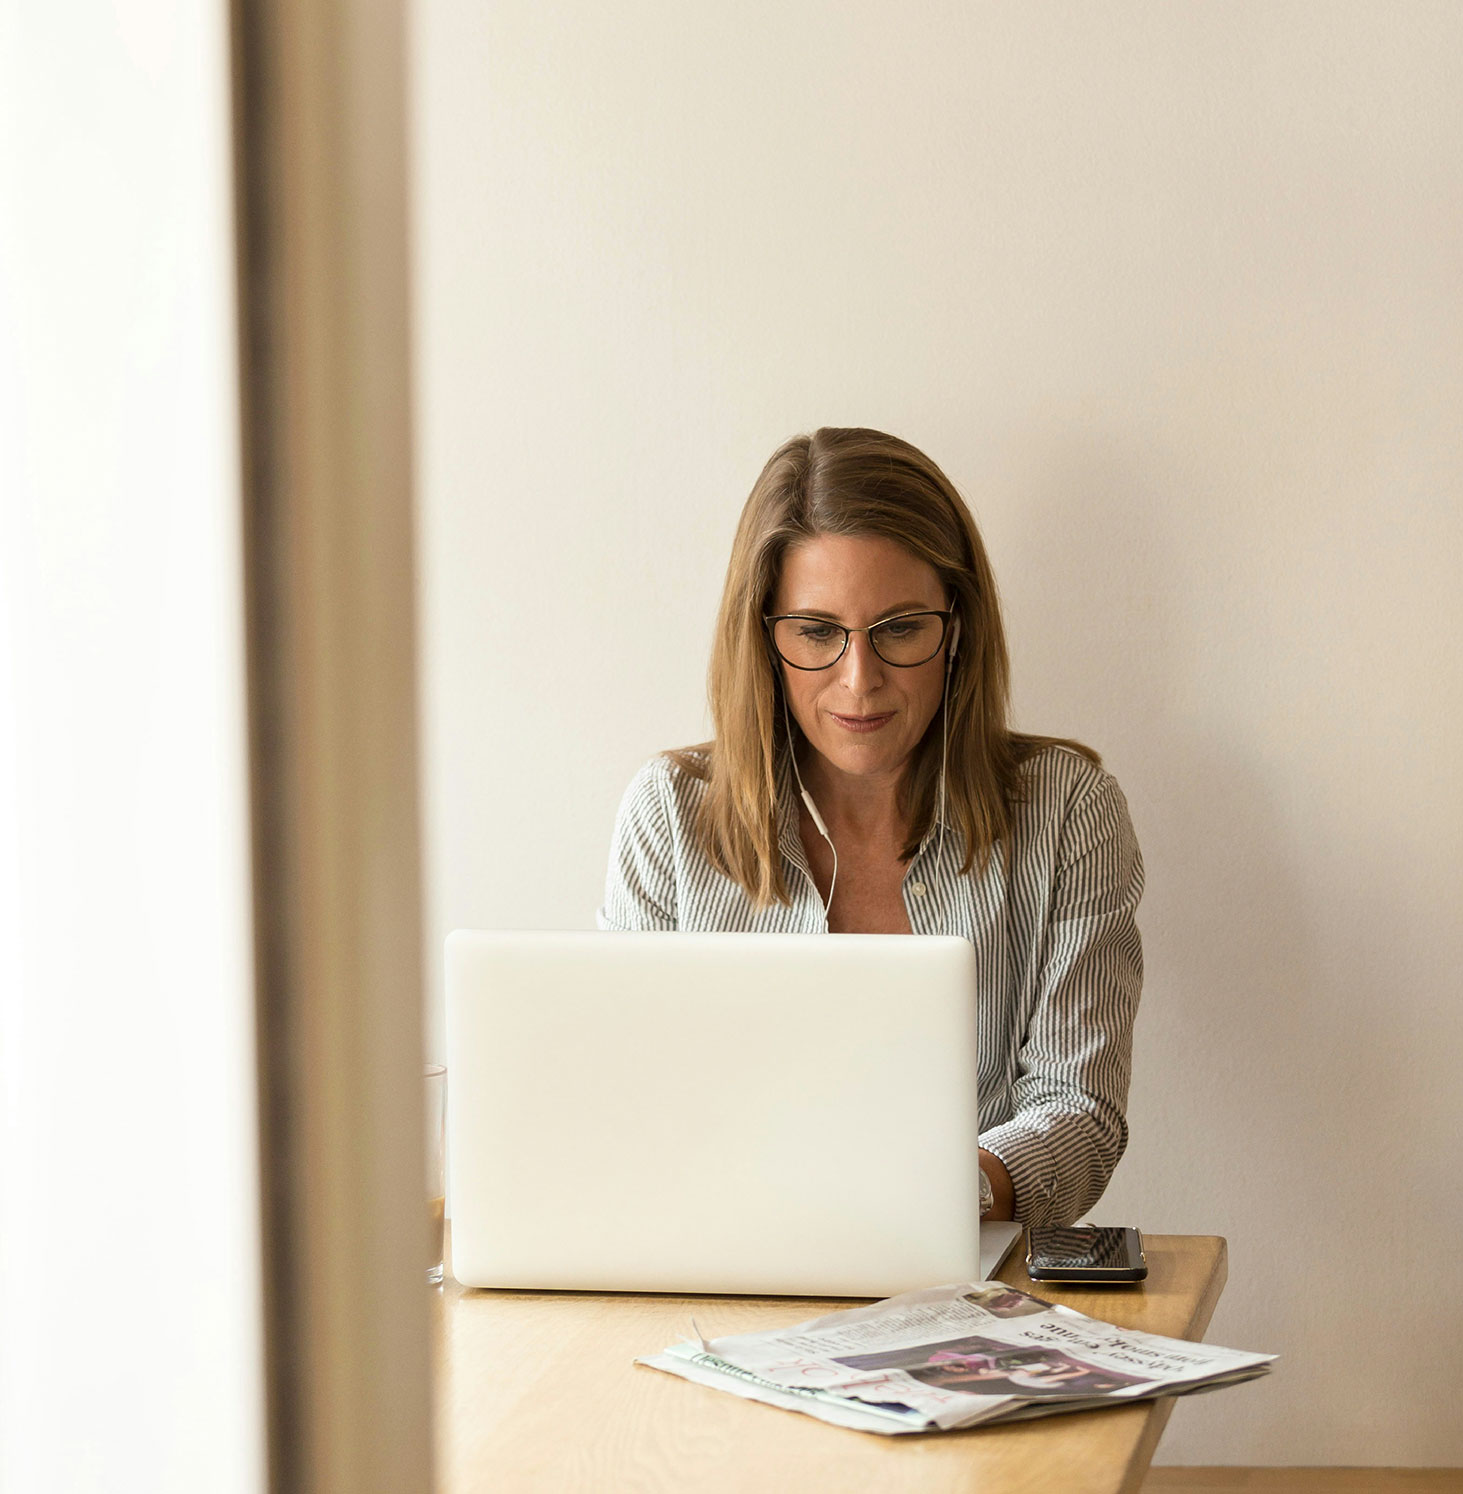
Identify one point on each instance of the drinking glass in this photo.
(436, 1095)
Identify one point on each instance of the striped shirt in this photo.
(1052, 921)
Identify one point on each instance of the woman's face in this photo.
(864, 716)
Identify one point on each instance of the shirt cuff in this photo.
(1024, 1153)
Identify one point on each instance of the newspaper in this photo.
(953, 1356)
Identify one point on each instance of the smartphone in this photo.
(1085, 1253)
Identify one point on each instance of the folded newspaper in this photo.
(954, 1356)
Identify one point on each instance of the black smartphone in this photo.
(1085, 1252)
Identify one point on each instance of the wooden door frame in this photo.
(320, 156)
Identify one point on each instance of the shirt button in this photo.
(918, 889)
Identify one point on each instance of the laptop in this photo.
(685, 1112)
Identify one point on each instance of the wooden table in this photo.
(538, 1391)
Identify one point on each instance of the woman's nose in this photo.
(863, 669)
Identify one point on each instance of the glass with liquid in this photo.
(435, 1077)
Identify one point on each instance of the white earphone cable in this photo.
(807, 799)
(945, 733)
(944, 759)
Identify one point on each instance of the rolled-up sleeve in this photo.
(1068, 1126)
(640, 886)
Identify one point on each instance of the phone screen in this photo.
(1094, 1248)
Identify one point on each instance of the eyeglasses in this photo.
(815, 643)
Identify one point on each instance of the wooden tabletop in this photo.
(538, 1391)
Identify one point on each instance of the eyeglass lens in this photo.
(811, 643)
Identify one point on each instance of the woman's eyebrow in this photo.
(907, 607)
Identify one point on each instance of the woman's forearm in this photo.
(1005, 1204)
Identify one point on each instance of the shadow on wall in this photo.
(1262, 1062)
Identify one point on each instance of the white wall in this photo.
(129, 1297)
(1172, 292)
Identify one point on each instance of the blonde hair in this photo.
(854, 482)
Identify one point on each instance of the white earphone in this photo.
(945, 726)
(807, 799)
(817, 819)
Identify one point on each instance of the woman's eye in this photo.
(815, 632)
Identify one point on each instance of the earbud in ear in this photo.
(953, 645)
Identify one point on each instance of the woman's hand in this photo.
(995, 1170)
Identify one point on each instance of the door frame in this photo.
(321, 202)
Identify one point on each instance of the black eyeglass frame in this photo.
(944, 614)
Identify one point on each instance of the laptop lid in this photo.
(757, 1113)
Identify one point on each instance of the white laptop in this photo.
(749, 1113)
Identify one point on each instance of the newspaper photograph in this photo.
(963, 1355)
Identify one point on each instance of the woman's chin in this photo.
(862, 759)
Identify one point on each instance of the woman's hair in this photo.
(854, 482)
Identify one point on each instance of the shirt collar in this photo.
(790, 836)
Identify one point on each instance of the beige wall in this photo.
(1174, 293)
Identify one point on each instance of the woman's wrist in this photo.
(1005, 1195)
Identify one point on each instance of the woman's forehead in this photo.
(841, 574)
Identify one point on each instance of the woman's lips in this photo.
(862, 723)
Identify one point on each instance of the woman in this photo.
(863, 779)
